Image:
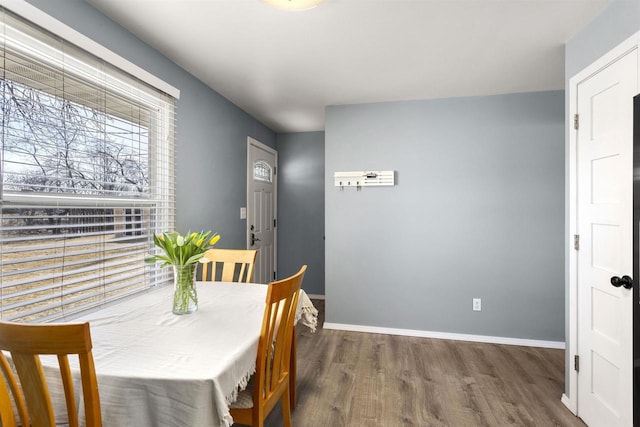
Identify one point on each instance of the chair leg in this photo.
(292, 371)
(286, 408)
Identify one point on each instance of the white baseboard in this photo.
(445, 335)
(316, 296)
(569, 404)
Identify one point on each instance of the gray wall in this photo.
(301, 207)
(212, 132)
(614, 25)
(477, 212)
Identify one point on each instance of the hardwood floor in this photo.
(359, 379)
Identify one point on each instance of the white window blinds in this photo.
(87, 176)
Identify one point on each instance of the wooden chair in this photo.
(237, 265)
(25, 343)
(270, 382)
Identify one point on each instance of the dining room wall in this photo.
(618, 21)
(211, 153)
(477, 211)
(301, 207)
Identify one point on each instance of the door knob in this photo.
(624, 281)
(254, 239)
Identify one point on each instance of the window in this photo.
(262, 171)
(86, 176)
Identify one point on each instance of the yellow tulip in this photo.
(181, 248)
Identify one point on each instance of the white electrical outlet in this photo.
(477, 304)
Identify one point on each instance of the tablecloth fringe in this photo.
(241, 386)
(310, 315)
(307, 313)
(227, 421)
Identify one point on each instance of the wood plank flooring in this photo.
(358, 379)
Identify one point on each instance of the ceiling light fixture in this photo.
(294, 4)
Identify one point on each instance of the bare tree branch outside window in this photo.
(54, 145)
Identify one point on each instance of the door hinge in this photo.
(275, 223)
(275, 170)
(576, 363)
(576, 242)
(576, 121)
(274, 275)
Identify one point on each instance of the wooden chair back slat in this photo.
(9, 387)
(236, 265)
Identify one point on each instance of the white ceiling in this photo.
(284, 67)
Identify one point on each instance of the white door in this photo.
(261, 208)
(604, 221)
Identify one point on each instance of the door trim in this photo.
(633, 42)
(249, 175)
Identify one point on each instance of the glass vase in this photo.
(185, 297)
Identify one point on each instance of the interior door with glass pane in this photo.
(261, 208)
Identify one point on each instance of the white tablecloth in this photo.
(158, 369)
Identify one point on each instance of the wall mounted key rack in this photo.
(361, 179)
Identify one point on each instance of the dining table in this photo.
(155, 368)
